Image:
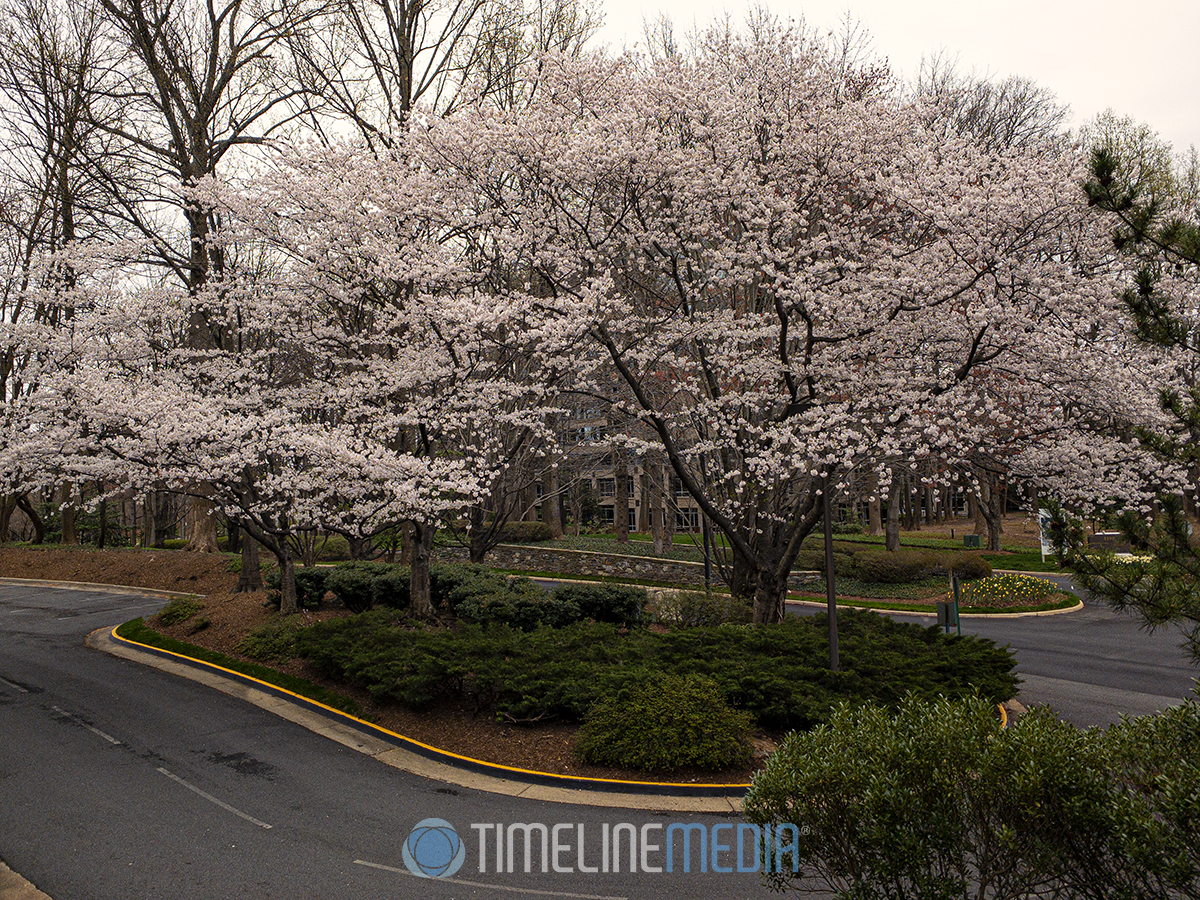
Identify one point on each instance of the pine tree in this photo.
(1162, 239)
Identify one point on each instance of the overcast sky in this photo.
(1139, 57)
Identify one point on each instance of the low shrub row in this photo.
(899, 567)
(525, 533)
(472, 593)
(779, 674)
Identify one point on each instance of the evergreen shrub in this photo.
(179, 610)
(661, 722)
(779, 674)
(272, 640)
(970, 568)
(814, 561)
(359, 585)
(310, 586)
(696, 609)
(616, 603)
(333, 548)
(525, 533)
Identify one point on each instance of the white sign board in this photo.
(1044, 530)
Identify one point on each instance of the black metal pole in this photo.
(830, 591)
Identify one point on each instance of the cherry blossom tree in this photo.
(781, 272)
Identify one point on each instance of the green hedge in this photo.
(778, 674)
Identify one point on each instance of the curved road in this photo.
(120, 781)
(1093, 665)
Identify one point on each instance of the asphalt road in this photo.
(1094, 665)
(120, 781)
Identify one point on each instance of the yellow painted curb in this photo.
(670, 788)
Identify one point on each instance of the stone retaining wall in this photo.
(585, 563)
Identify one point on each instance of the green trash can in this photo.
(972, 540)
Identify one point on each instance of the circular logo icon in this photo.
(433, 849)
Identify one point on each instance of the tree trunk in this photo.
(39, 526)
(251, 578)
(874, 517)
(743, 581)
(912, 503)
(8, 504)
(102, 530)
(930, 517)
(770, 592)
(551, 506)
(358, 546)
(621, 497)
(67, 510)
(420, 601)
(406, 544)
(528, 502)
(668, 513)
(655, 494)
(477, 547)
(287, 580)
(990, 507)
(891, 539)
(156, 509)
(202, 526)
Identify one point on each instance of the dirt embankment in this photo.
(165, 570)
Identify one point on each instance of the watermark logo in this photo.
(433, 849)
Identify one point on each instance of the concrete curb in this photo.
(933, 615)
(103, 588)
(420, 759)
(14, 887)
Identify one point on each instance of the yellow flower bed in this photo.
(1007, 590)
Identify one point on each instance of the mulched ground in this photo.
(546, 748)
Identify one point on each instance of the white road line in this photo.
(15, 687)
(494, 887)
(79, 721)
(212, 799)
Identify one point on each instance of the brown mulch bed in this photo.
(545, 748)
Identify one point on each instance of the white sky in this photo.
(1139, 57)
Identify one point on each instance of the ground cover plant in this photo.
(779, 675)
(137, 630)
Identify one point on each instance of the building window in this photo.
(606, 487)
(687, 519)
